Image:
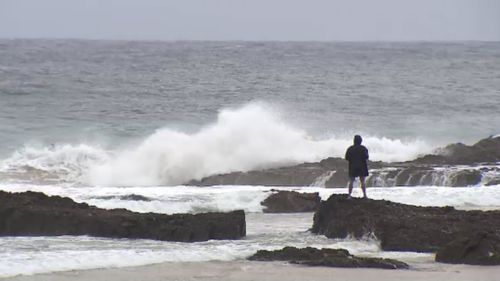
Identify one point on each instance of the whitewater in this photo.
(31, 255)
(130, 124)
(146, 177)
(248, 138)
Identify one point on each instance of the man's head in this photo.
(357, 139)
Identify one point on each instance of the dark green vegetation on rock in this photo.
(325, 257)
(454, 234)
(400, 227)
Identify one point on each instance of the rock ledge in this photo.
(325, 257)
(400, 227)
(36, 214)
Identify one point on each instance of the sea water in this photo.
(30, 255)
(99, 120)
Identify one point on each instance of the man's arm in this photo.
(348, 154)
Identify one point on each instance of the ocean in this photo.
(97, 120)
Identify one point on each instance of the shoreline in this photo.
(272, 271)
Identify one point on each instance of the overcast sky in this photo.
(325, 20)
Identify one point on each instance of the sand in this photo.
(274, 271)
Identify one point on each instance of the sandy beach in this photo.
(245, 270)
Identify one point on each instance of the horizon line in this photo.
(257, 40)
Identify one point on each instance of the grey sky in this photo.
(325, 20)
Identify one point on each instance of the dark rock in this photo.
(480, 249)
(300, 175)
(383, 177)
(325, 257)
(493, 182)
(339, 178)
(484, 151)
(291, 202)
(424, 175)
(333, 163)
(332, 172)
(399, 227)
(411, 176)
(36, 214)
(466, 178)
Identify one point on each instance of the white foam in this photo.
(167, 200)
(65, 162)
(248, 138)
(188, 199)
(393, 150)
(88, 253)
(254, 136)
(30, 255)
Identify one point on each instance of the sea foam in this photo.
(255, 136)
(31, 255)
(191, 199)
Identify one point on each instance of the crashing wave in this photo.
(248, 138)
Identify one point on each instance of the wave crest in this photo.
(254, 136)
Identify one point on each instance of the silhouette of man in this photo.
(357, 155)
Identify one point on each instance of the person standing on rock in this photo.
(357, 155)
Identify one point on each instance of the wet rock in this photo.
(479, 248)
(332, 172)
(333, 163)
(493, 182)
(424, 175)
(340, 175)
(291, 202)
(36, 214)
(465, 178)
(300, 175)
(383, 177)
(485, 151)
(411, 176)
(325, 257)
(399, 227)
(339, 178)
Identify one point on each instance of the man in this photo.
(357, 155)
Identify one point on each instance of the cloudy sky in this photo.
(325, 20)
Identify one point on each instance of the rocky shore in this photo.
(291, 202)
(325, 257)
(456, 165)
(457, 236)
(36, 214)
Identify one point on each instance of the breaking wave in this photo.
(255, 136)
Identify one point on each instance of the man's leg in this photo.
(351, 183)
(363, 186)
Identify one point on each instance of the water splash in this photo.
(255, 136)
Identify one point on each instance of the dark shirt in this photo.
(357, 155)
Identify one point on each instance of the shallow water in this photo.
(31, 255)
(28, 255)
